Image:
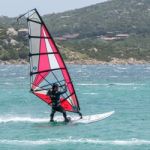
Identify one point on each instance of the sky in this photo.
(13, 8)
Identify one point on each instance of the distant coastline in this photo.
(114, 61)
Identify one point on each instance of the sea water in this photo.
(24, 119)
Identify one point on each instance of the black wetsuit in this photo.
(56, 106)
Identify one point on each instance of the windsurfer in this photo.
(54, 94)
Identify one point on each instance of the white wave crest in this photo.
(108, 84)
(7, 83)
(3, 70)
(89, 84)
(147, 68)
(21, 77)
(121, 68)
(113, 76)
(90, 93)
(23, 119)
(131, 142)
(127, 84)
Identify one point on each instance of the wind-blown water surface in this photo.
(24, 119)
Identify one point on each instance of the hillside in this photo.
(113, 29)
(123, 16)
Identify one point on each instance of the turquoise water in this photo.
(100, 88)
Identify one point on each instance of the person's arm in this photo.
(64, 90)
(49, 92)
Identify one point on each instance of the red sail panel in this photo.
(64, 103)
(44, 97)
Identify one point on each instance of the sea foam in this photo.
(22, 119)
(130, 142)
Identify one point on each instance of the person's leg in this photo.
(52, 115)
(80, 115)
(60, 109)
(64, 115)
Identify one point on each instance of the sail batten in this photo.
(47, 66)
(34, 54)
(42, 37)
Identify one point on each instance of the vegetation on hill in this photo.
(123, 16)
(89, 33)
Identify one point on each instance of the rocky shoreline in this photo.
(114, 61)
(14, 62)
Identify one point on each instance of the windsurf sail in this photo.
(47, 66)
